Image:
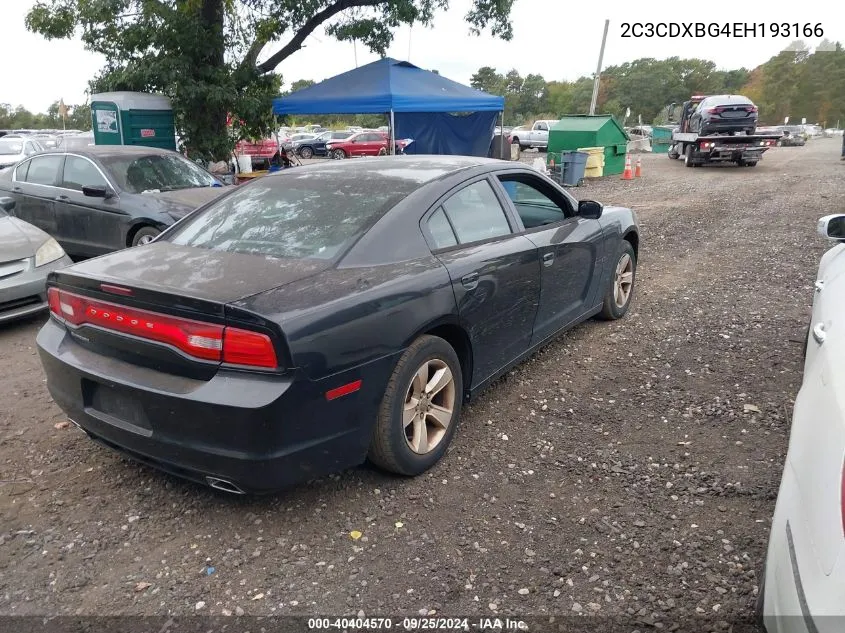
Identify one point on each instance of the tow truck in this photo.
(746, 150)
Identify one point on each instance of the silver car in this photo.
(14, 148)
(27, 255)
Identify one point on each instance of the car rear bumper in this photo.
(258, 433)
(728, 125)
(25, 293)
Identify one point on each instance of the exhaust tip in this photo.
(224, 485)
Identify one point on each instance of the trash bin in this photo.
(595, 162)
(569, 167)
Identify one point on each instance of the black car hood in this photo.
(196, 272)
(181, 202)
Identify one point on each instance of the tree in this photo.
(204, 54)
(488, 80)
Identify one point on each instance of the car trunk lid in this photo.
(178, 290)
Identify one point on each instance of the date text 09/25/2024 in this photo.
(418, 624)
(795, 30)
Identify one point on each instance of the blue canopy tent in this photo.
(417, 101)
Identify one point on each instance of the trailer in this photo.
(742, 149)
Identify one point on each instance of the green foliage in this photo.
(79, 118)
(203, 54)
(793, 83)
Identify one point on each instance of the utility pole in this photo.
(598, 70)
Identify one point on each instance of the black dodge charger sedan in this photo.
(327, 314)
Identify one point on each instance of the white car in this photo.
(803, 586)
(14, 148)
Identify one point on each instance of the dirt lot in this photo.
(629, 469)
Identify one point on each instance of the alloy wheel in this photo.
(145, 239)
(429, 406)
(623, 282)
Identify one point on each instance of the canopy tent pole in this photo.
(392, 133)
(502, 136)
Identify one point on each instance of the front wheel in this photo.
(420, 409)
(306, 152)
(620, 289)
(339, 154)
(145, 235)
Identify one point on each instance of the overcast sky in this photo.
(558, 39)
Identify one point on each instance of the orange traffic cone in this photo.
(638, 172)
(627, 175)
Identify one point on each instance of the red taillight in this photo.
(242, 347)
(716, 110)
(752, 109)
(207, 341)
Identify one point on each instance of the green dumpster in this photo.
(575, 131)
(133, 118)
(661, 139)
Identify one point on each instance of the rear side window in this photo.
(441, 230)
(314, 215)
(44, 170)
(475, 213)
(20, 171)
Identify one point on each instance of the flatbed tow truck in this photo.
(746, 150)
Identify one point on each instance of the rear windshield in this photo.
(10, 146)
(308, 215)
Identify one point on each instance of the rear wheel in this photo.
(306, 152)
(688, 157)
(420, 409)
(145, 235)
(620, 288)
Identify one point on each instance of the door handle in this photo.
(470, 281)
(819, 285)
(818, 333)
(548, 259)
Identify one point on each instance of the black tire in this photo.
(338, 154)
(751, 163)
(611, 309)
(688, 162)
(305, 152)
(144, 235)
(389, 446)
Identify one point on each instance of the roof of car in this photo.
(102, 151)
(417, 168)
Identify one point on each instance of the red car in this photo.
(361, 144)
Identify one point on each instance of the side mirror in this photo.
(590, 209)
(98, 191)
(832, 227)
(7, 204)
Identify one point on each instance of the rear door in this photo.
(569, 248)
(36, 189)
(89, 226)
(495, 274)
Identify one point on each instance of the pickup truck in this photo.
(537, 136)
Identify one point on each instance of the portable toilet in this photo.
(574, 132)
(133, 118)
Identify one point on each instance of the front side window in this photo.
(475, 213)
(80, 172)
(534, 202)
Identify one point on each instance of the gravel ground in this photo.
(628, 471)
